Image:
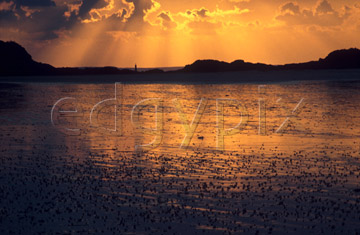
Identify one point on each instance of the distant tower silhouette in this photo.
(136, 68)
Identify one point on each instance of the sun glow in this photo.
(157, 33)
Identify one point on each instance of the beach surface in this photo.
(103, 155)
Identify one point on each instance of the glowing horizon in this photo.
(159, 33)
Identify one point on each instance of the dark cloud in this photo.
(202, 12)
(41, 19)
(35, 3)
(36, 20)
(292, 7)
(323, 15)
(134, 23)
(7, 19)
(140, 7)
(324, 7)
(136, 20)
(87, 5)
(167, 22)
(31, 3)
(164, 16)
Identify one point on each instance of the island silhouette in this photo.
(16, 61)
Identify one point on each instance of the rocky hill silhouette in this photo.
(340, 59)
(15, 60)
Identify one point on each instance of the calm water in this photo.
(292, 166)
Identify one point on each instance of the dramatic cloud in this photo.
(202, 12)
(324, 7)
(291, 8)
(34, 3)
(176, 32)
(73, 9)
(36, 20)
(114, 8)
(6, 6)
(323, 14)
(166, 20)
(195, 21)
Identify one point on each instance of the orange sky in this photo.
(159, 33)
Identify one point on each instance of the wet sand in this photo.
(304, 179)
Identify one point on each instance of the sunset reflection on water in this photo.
(304, 176)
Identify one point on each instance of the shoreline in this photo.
(243, 77)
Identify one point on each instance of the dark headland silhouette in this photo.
(340, 59)
(16, 61)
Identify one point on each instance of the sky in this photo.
(165, 33)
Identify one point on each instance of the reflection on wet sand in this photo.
(303, 177)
